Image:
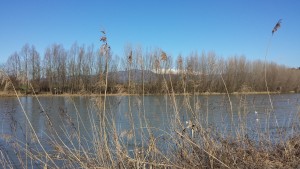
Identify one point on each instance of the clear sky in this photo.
(227, 27)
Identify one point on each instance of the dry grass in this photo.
(191, 145)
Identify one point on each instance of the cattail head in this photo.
(277, 26)
(130, 57)
(163, 56)
(105, 48)
(103, 37)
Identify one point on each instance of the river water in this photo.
(254, 112)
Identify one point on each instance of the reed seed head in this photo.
(277, 26)
(163, 56)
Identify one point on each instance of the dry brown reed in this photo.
(277, 26)
(190, 145)
(190, 142)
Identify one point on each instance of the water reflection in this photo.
(155, 111)
(65, 116)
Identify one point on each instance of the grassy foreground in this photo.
(185, 144)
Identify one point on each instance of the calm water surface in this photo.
(157, 110)
(253, 111)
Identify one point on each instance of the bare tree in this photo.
(79, 68)
(35, 67)
(13, 68)
(71, 70)
(25, 59)
(48, 70)
(13, 65)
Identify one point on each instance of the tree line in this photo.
(81, 69)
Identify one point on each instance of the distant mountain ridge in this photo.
(136, 75)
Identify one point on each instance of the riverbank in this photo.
(189, 134)
(13, 94)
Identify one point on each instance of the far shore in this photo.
(13, 94)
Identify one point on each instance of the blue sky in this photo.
(229, 28)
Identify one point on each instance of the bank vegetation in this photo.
(82, 69)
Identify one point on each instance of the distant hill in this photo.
(135, 74)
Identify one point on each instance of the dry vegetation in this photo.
(191, 143)
(78, 70)
(184, 144)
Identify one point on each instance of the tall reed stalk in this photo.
(190, 138)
